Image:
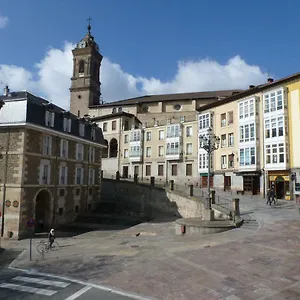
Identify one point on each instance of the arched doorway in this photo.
(113, 148)
(105, 150)
(43, 210)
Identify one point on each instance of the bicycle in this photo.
(45, 246)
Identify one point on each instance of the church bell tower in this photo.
(85, 82)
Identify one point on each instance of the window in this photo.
(273, 127)
(49, 118)
(247, 156)
(241, 110)
(246, 109)
(247, 132)
(126, 125)
(230, 140)
(267, 129)
(160, 171)
(223, 162)
(277, 127)
(182, 118)
(251, 107)
(135, 136)
(63, 175)
(148, 136)
(161, 135)
(189, 148)
(241, 134)
(223, 120)
(91, 176)
(64, 145)
(204, 121)
(280, 126)
(113, 125)
(203, 161)
(67, 125)
(135, 151)
(268, 154)
(148, 151)
(126, 139)
(125, 153)
(273, 101)
(177, 106)
(119, 109)
(45, 173)
(188, 169)
(275, 153)
(189, 131)
(104, 126)
(252, 132)
(160, 150)
(230, 118)
(174, 170)
(79, 176)
(223, 140)
(172, 148)
(81, 129)
(61, 192)
(91, 154)
(173, 131)
(79, 151)
(47, 145)
(148, 170)
(247, 137)
(81, 66)
(77, 192)
(231, 161)
(281, 152)
(93, 134)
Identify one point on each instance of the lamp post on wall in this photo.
(209, 142)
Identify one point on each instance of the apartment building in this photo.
(256, 144)
(50, 162)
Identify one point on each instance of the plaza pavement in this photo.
(260, 260)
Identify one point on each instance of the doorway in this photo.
(125, 171)
(279, 189)
(227, 183)
(136, 170)
(43, 211)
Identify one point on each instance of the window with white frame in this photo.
(273, 101)
(92, 154)
(223, 140)
(79, 151)
(247, 132)
(203, 161)
(135, 136)
(204, 121)
(81, 129)
(223, 120)
(172, 148)
(148, 136)
(126, 154)
(63, 175)
(47, 145)
(251, 107)
(125, 138)
(45, 170)
(189, 148)
(49, 118)
(275, 153)
(274, 127)
(79, 176)
(173, 131)
(161, 134)
(246, 109)
(135, 151)
(189, 131)
(160, 150)
(247, 156)
(230, 140)
(67, 125)
(91, 176)
(241, 110)
(64, 144)
(148, 151)
(223, 161)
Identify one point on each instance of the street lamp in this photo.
(209, 142)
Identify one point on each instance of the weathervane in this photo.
(89, 24)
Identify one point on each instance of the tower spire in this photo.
(89, 25)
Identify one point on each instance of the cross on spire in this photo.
(89, 24)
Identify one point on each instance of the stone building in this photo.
(50, 162)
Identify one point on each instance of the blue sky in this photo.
(147, 39)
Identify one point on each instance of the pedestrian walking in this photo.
(269, 197)
(51, 237)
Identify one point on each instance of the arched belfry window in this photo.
(81, 66)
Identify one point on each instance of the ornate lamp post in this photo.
(209, 142)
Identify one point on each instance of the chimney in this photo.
(270, 80)
(251, 86)
(6, 91)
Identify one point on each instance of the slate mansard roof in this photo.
(24, 107)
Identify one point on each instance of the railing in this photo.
(223, 202)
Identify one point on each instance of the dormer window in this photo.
(114, 110)
(49, 118)
(81, 129)
(81, 66)
(120, 109)
(67, 125)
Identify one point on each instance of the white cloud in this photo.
(51, 78)
(3, 21)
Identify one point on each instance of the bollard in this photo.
(135, 179)
(208, 203)
(101, 174)
(172, 185)
(191, 190)
(117, 175)
(236, 207)
(152, 180)
(213, 197)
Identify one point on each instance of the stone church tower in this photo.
(85, 86)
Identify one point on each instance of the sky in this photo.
(149, 47)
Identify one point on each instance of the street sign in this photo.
(31, 223)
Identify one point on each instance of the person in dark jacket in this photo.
(51, 237)
(269, 196)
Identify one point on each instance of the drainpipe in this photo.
(5, 179)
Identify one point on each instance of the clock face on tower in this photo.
(82, 44)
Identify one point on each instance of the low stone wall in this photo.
(126, 197)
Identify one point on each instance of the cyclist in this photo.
(51, 237)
